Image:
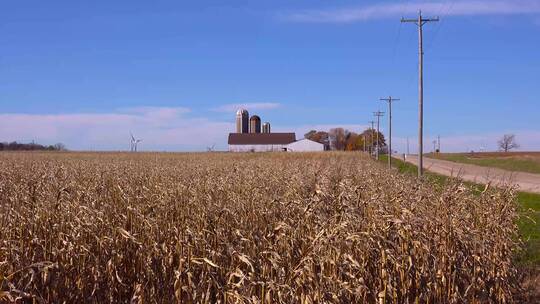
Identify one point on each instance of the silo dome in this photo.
(242, 121)
(241, 111)
(266, 127)
(255, 124)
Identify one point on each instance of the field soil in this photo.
(528, 182)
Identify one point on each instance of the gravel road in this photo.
(526, 181)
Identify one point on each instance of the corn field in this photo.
(246, 228)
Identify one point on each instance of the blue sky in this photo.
(172, 72)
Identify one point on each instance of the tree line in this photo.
(341, 139)
(15, 146)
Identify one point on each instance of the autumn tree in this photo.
(355, 142)
(344, 140)
(350, 143)
(320, 137)
(370, 136)
(309, 135)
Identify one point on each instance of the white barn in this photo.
(305, 145)
(260, 142)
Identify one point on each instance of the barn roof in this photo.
(307, 140)
(261, 138)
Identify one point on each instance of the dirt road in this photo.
(526, 181)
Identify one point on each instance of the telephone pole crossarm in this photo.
(424, 20)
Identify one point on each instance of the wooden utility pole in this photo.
(364, 143)
(378, 114)
(420, 23)
(371, 133)
(389, 100)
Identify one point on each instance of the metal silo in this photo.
(242, 121)
(266, 127)
(255, 124)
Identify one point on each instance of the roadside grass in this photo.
(529, 209)
(529, 226)
(510, 162)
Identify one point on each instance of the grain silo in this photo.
(266, 127)
(255, 124)
(242, 121)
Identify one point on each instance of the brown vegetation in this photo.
(239, 228)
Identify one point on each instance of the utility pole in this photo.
(407, 145)
(371, 142)
(439, 143)
(389, 100)
(364, 143)
(379, 114)
(420, 23)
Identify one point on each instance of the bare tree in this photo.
(59, 147)
(508, 142)
(338, 138)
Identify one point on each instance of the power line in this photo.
(420, 24)
(396, 41)
(389, 100)
(449, 5)
(438, 28)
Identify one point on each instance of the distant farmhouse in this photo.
(249, 138)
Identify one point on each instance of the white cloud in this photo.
(381, 11)
(161, 128)
(528, 141)
(233, 107)
(160, 111)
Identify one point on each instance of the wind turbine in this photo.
(131, 142)
(210, 149)
(134, 143)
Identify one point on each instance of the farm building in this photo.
(252, 136)
(305, 145)
(260, 142)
